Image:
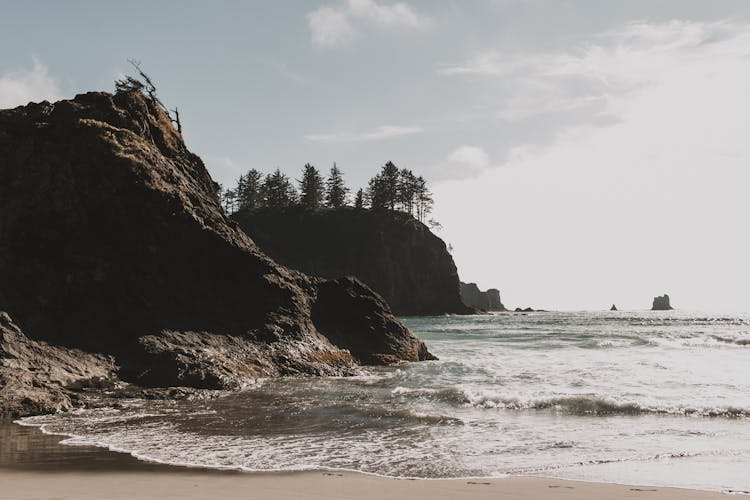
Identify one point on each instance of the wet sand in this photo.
(35, 465)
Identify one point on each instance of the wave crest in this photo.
(584, 405)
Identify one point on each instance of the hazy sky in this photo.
(582, 152)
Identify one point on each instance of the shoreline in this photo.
(34, 464)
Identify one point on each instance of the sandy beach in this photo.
(35, 466)
(308, 485)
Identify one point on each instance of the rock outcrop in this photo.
(661, 303)
(486, 301)
(613, 308)
(112, 241)
(35, 376)
(391, 252)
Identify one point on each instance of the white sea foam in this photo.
(572, 395)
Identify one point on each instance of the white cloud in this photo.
(382, 132)
(20, 87)
(471, 156)
(655, 201)
(331, 26)
(593, 76)
(462, 163)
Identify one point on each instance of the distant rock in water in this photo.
(487, 301)
(391, 252)
(661, 303)
(613, 308)
(112, 241)
(527, 310)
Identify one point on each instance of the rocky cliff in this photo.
(487, 301)
(34, 376)
(112, 241)
(397, 256)
(661, 303)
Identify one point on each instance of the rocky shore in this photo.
(118, 264)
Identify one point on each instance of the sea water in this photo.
(650, 398)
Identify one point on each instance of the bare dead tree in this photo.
(147, 86)
(176, 119)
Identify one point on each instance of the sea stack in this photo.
(613, 308)
(661, 303)
(113, 244)
(487, 301)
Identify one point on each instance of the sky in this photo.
(581, 152)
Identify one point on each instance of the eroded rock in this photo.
(36, 377)
(485, 300)
(661, 303)
(112, 241)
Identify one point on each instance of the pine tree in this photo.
(376, 195)
(407, 191)
(423, 198)
(390, 179)
(311, 188)
(336, 190)
(248, 190)
(230, 201)
(239, 190)
(277, 191)
(359, 199)
(383, 189)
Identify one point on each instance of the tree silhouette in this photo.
(423, 198)
(248, 190)
(390, 189)
(229, 201)
(277, 191)
(359, 199)
(407, 186)
(336, 190)
(383, 189)
(376, 193)
(311, 188)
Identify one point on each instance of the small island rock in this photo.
(488, 300)
(661, 303)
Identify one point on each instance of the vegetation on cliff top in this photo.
(390, 189)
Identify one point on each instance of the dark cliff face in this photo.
(487, 301)
(661, 303)
(397, 256)
(112, 240)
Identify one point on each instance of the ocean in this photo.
(649, 398)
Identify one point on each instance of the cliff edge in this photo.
(394, 254)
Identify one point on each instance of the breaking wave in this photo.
(572, 405)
